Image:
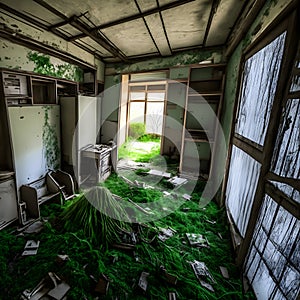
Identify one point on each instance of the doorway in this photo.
(145, 106)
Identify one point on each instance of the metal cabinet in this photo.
(8, 202)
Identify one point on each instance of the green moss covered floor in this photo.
(122, 267)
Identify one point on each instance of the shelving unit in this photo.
(26, 99)
(203, 104)
(174, 111)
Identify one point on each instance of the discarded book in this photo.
(197, 240)
(201, 272)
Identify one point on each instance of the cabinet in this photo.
(8, 202)
(202, 109)
(30, 129)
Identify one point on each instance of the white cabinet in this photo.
(8, 202)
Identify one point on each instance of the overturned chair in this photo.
(55, 184)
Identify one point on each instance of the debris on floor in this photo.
(31, 248)
(172, 296)
(76, 250)
(186, 197)
(143, 282)
(197, 240)
(51, 286)
(177, 181)
(165, 233)
(159, 173)
(203, 275)
(172, 279)
(35, 227)
(61, 259)
(224, 272)
(102, 285)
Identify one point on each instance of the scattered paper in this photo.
(31, 248)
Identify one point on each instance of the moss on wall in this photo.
(182, 58)
(43, 65)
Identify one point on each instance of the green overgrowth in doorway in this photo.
(142, 149)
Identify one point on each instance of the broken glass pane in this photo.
(241, 187)
(258, 89)
(288, 190)
(286, 156)
(272, 265)
(295, 86)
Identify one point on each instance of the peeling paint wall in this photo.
(14, 56)
(46, 38)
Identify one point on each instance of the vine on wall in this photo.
(44, 66)
(50, 142)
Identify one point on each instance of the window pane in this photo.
(272, 264)
(286, 157)
(241, 187)
(154, 117)
(137, 112)
(137, 96)
(258, 89)
(156, 97)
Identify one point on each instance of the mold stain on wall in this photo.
(50, 142)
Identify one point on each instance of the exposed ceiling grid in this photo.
(124, 30)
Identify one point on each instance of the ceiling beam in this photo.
(21, 39)
(44, 27)
(134, 17)
(86, 30)
(78, 24)
(52, 9)
(213, 10)
(243, 25)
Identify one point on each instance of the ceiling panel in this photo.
(177, 28)
(186, 25)
(156, 28)
(31, 8)
(99, 12)
(224, 18)
(87, 41)
(132, 38)
(69, 30)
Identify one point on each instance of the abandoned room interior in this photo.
(150, 149)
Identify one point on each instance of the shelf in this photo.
(43, 91)
(18, 101)
(195, 140)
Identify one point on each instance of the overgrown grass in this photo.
(141, 150)
(89, 258)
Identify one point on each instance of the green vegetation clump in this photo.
(137, 130)
(44, 66)
(89, 257)
(144, 149)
